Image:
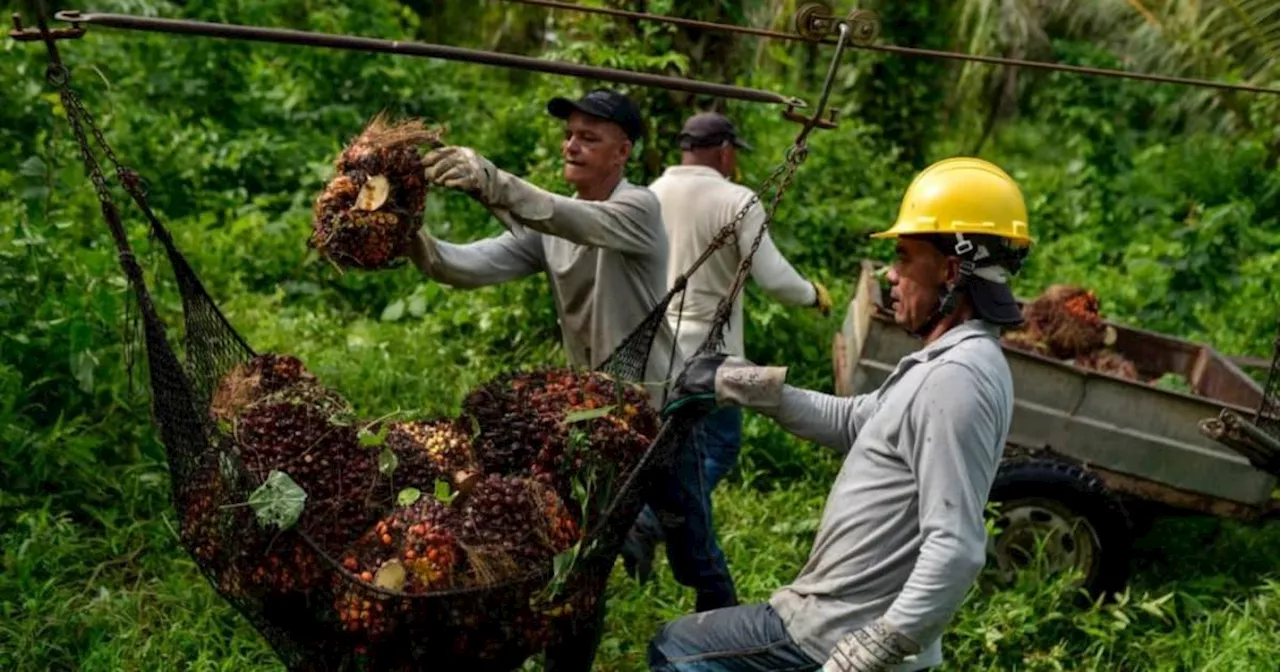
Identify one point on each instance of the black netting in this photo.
(456, 543)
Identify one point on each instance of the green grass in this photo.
(112, 590)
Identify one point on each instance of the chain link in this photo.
(796, 155)
(78, 117)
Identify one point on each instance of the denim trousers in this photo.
(682, 498)
(680, 512)
(747, 638)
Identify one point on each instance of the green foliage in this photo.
(279, 501)
(1172, 223)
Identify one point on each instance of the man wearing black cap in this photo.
(604, 251)
(698, 200)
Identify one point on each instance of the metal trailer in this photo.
(1092, 458)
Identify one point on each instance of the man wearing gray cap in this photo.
(698, 200)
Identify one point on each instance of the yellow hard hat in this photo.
(963, 195)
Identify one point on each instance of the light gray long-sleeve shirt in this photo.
(902, 534)
(606, 262)
(697, 202)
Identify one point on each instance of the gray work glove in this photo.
(464, 169)
(712, 379)
(874, 647)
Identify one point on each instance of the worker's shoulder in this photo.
(705, 185)
(976, 363)
(636, 194)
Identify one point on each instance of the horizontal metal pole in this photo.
(289, 36)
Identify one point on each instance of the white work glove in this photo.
(716, 378)
(462, 168)
(874, 647)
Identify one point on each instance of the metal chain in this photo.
(726, 233)
(796, 155)
(59, 77)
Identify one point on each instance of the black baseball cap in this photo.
(603, 103)
(709, 129)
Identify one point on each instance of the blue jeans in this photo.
(749, 638)
(683, 516)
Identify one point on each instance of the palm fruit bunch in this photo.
(557, 424)
(293, 434)
(484, 531)
(510, 432)
(430, 450)
(250, 381)
(1108, 362)
(1068, 321)
(509, 526)
(1064, 323)
(279, 418)
(201, 521)
(368, 212)
(413, 550)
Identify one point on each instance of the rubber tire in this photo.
(1085, 495)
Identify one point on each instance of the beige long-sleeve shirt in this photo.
(697, 202)
(606, 262)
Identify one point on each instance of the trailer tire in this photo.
(1087, 525)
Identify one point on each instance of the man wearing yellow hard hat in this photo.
(902, 536)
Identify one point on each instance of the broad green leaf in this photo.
(370, 440)
(278, 501)
(387, 461)
(587, 414)
(394, 311)
(444, 493)
(34, 166)
(82, 366)
(564, 561)
(408, 496)
(417, 305)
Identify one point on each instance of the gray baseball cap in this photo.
(709, 129)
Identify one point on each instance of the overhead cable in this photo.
(905, 51)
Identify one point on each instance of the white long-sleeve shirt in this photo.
(902, 533)
(606, 262)
(697, 202)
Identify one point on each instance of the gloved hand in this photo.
(823, 302)
(874, 647)
(696, 389)
(464, 169)
(715, 378)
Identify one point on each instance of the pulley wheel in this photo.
(813, 21)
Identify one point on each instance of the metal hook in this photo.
(816, 120)
(21, 33)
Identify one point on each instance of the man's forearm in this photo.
(630, 223)
(486, 262)
(775, 275)
(822, 418)
(945, 569)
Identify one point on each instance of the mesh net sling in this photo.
(330, 588)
